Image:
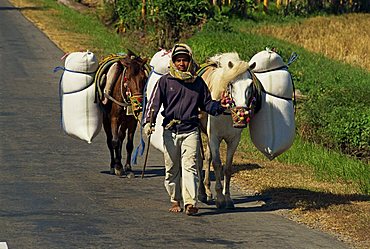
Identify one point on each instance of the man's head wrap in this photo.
(190, 75)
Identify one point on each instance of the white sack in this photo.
(81, 117)
(80, 68)
(82, 62)
(160, 65)
(74, 82)
(278, 82)
(272, 129)
(157, 136)
(266, 60)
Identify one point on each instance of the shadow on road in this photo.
(242, 167)
(274, 199)
(151, 171)
(289, 198)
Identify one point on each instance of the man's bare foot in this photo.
(191, 209)
(175, 207)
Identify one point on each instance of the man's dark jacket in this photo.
(181, 101)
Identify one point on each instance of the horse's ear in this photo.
(230, 64)
(131, 54)
(126, 60)
(251, 67)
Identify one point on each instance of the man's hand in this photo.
(226, 101)
(148, 130)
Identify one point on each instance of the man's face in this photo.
(181, 62)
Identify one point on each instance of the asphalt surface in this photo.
(56, 191)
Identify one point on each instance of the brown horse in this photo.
(121, 90)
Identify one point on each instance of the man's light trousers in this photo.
(180, 155)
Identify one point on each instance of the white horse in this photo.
(230, 73)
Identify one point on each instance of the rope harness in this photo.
(131, 103)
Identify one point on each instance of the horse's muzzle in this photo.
(241, 116)
(137, 103)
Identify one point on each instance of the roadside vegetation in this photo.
(324, 179)
(334, 114)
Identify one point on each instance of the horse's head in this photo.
(233, 75)
(160, 62)
(243, 91)
(241, 87)
(135, 77)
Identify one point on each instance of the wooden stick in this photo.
(148, 145)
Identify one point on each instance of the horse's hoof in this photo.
(230, 205)
(220, 203)
(127, 168)
(118, 172)
(130, 175)
(203, 198)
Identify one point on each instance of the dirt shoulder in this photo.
(291, 190)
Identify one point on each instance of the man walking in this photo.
(182, 94)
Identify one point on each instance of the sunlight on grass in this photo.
(328, 165)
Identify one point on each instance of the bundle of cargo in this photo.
(272, 129)
(80, 114)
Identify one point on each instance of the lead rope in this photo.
(141, 147)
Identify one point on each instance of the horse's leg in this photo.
(108, 133)
(201, 190)
(130, 146)
(217, 166)
(203, 178)
(117, 146)
(232, 144)
(207, 171)
(205, 194)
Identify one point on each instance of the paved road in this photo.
(55, 191)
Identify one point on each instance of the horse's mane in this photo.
(229, 67)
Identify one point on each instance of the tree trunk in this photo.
(278, 3)
(265, 5)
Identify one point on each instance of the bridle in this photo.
(229, 88)
(242, 115)
(128, 99)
